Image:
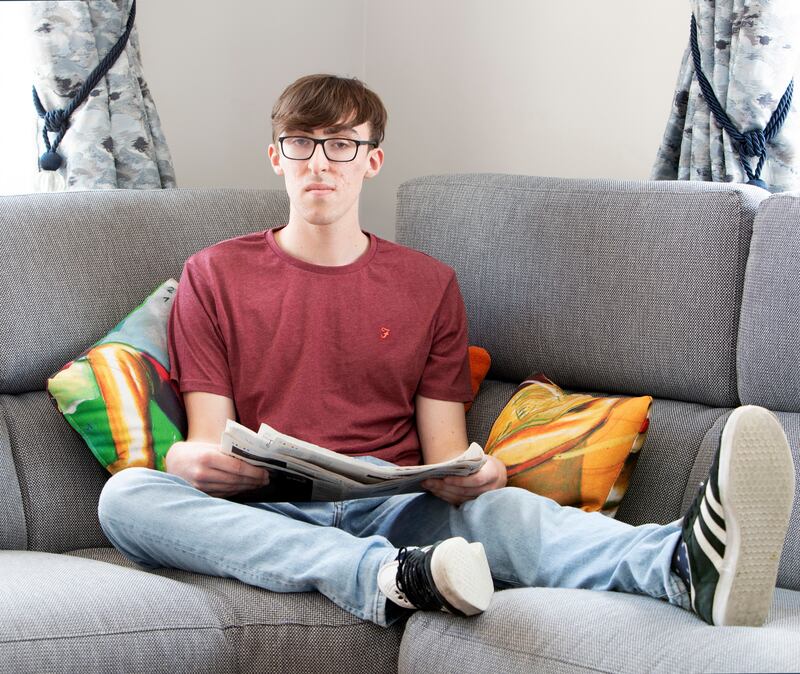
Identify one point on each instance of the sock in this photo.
(680, 563)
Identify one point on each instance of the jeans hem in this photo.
(379, 613)
(678, 593)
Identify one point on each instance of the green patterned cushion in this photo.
(118, 394)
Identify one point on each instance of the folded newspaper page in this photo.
(319, 474)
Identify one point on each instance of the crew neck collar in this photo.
(361, 262)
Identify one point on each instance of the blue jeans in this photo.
(157, 519)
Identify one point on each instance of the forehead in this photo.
(340, 129)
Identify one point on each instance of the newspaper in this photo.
(313, 473)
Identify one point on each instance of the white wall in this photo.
(18, 133)
(575, 89)
(516, 86)
(215, 69)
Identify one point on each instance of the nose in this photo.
(318, 162)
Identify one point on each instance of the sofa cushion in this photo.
(102, 617)
(59, 480)
(73, 263)
(657, 485)
(614, 286)
(489, 402)
(118, 394)
(655, 491)
(479, 363)
(13, 532)
(571, 631)
(283, 632)
(99, 612)
(769, 334)
(574, 448)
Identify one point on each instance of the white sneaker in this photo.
(451, 576)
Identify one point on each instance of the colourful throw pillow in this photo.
(479, 363)
(577, 449)
(118, 394)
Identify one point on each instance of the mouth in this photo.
(318, 189)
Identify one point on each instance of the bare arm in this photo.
(442, 428)
(200, 461)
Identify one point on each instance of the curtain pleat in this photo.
(748, 52)
(115, 138)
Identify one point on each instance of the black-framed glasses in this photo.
(335, 149)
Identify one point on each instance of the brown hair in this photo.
(321, 101)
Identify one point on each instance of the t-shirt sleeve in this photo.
(446, 375)
(197, 352)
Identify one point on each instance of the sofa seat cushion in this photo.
(101, 617)
(100, 612)
(556, 630)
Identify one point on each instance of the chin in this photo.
(319, 220)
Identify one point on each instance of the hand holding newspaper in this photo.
(318, 474)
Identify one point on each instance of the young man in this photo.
(336, 336)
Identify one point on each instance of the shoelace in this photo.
(413, 580)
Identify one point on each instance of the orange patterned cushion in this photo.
(479, 363)
(575, 448)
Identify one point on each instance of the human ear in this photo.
(275, 159)
(375, 162)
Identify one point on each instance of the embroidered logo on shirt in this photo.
(384, 333)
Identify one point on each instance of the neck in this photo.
(329, 245)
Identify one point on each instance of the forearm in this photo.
(442, 429)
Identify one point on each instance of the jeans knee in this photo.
(506, 497)
(508, 502)
(118, 496)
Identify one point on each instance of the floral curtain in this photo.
(748, 52)
(114, 139)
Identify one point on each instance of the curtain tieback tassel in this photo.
(752, 143)
(57, 121)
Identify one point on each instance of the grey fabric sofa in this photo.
(686, 291)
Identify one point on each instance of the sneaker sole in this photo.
(755, 460)
(461, 573)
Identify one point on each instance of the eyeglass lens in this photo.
(336, 149)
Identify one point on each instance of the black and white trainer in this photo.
(734, 531)
(452, 575)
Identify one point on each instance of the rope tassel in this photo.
(57, 121)
(752, 143)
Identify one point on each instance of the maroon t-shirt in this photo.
(330, 355)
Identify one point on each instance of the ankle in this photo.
(680, 562)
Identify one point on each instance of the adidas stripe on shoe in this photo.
(734, 531)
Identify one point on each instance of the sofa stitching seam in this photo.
(741, 273)
(24, 502)
(182, 628)
(533, 190)
(505, 649)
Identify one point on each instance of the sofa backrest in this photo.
(769, 333)
(604, 285)
(71, 266)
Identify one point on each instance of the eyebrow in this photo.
(339, 129)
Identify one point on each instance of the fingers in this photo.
(224, 474)
(236, 467)
(456, 495)
(208, 475)
(456, 490)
